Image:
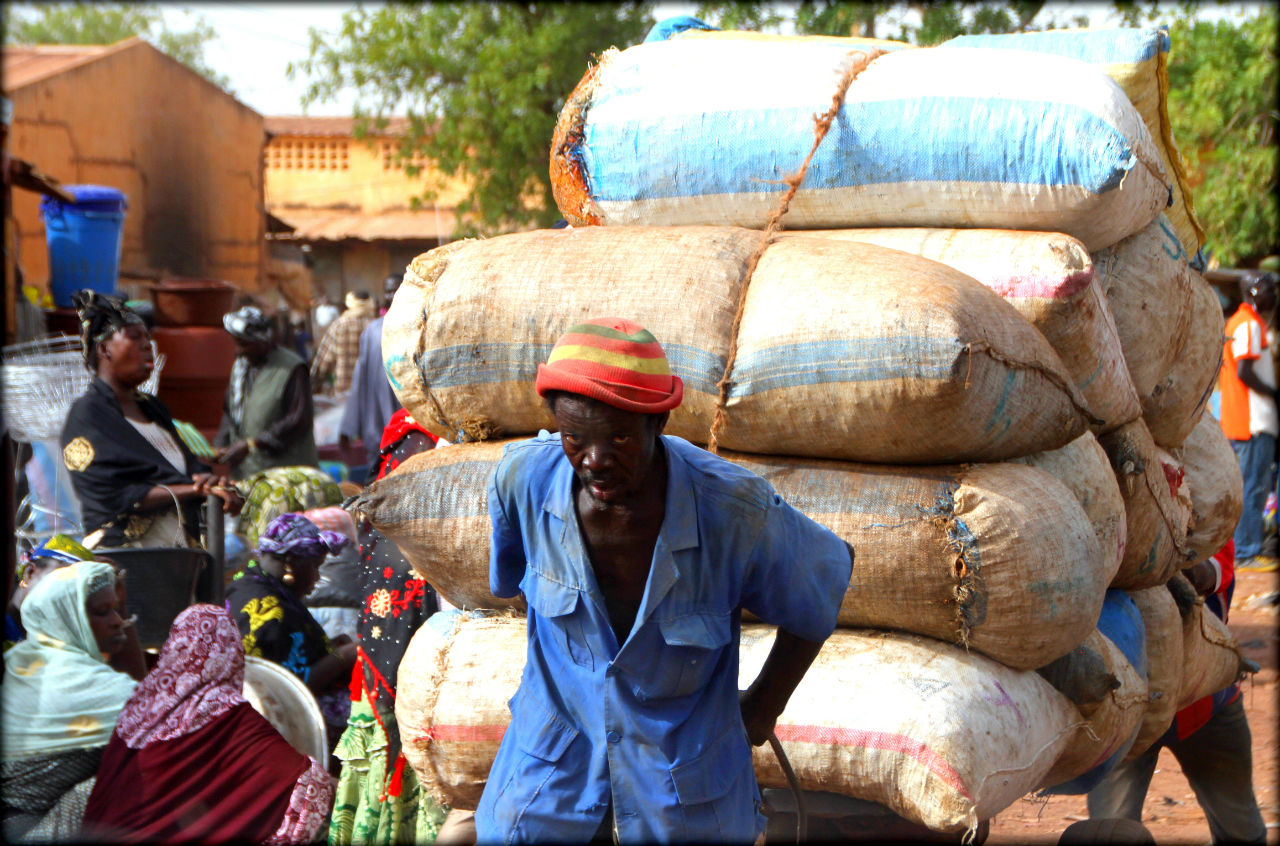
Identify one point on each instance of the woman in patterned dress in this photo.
(379, 799)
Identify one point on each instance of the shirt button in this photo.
(613, 737)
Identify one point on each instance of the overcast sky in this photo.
(256, 41)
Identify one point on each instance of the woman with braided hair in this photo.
(137, 482)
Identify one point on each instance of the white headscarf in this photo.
(58, 693)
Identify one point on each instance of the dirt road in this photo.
(1171, 812)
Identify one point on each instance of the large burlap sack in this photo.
(456, 677)
(1084, 468)
(1163, 629)
(435, 508)
(703, 130)
(832, 343)
(838, 358)
(1136, 59)
(998, 557)
(1155, 524)
(1216, 488)
(1098, 746)
(1170, 325)
(1048, 278)
(941, 737)
(1211, 657)
(472, 321)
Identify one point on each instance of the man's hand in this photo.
(1203, 577)
(762, 703)
(757, 719)
(234, 454)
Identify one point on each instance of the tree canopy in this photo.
(1222, 107)
(481, 85)
(107, 23)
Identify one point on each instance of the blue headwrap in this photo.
(293, 534)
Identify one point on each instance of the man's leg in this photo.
(1121, 793)
(1254, 456)
(1218, 763)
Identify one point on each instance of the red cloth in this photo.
(229, 781)
(400, 425)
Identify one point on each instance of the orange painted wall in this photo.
(187, 156)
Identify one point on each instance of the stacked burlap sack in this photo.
(970, 407)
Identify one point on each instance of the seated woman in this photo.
(191, 761)
(60, 700)
(137, 482)
(266, 601)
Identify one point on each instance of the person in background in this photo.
(1249, 417)
(267, 415)
(1210, 738)
(335, 359)
(389, 287)
(190, 761)
(371, 401)
(60, 699)
(137, 481)
(379, 798)
(266, 602)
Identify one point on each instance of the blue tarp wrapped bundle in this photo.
(1136, 58)
(703, 128)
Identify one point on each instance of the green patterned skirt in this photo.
(364, 811)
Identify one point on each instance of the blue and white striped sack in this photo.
(703, 130)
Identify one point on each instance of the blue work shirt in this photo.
(653, 724)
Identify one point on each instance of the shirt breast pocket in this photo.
(558, 616)
(694, 644)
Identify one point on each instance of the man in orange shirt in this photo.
(1249, 415)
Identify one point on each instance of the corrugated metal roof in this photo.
(326, 126)
(317, 225)
(22, 65)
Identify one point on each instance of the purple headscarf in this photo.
(293, 534)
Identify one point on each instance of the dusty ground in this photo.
(1171, 812)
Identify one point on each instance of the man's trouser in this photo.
(1255, 456)
(1218, 764)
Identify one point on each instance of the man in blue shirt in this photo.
(636, 553)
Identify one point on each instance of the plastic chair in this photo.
(162, 581)
(287, 704)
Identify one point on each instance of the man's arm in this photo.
(763, 701)
(789, 659)
(1246, 369)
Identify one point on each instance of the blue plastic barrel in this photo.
(84, 240)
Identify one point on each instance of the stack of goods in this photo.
(962, 403)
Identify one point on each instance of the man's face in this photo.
(1264, 296)
(611, 450)
(255, 351)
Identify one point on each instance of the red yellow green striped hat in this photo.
(614, 361)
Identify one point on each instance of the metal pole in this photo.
(217, 547)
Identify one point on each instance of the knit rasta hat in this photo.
(614, 361)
